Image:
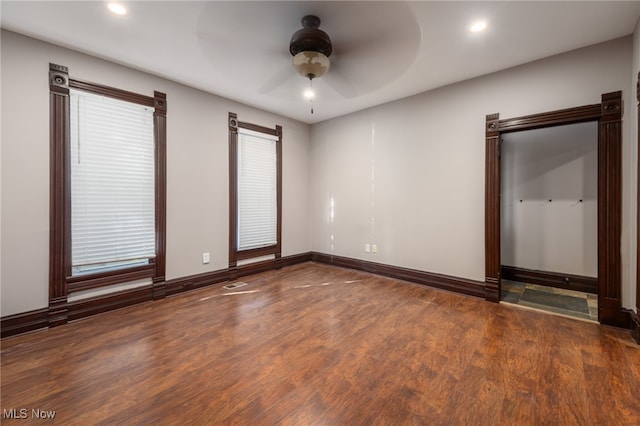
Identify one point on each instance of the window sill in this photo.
(262, 251)
(90, 281)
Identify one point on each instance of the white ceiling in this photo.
(383, 50)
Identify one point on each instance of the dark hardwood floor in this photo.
(318, 345)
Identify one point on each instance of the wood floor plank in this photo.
(315, 344)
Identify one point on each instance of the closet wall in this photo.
(549, 199)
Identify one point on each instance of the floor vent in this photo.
(235, 285)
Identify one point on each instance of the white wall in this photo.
(550, 199)
(409, 175)
(197, 168)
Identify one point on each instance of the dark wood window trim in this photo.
(61, 283)
(608, 114)
(276, 250)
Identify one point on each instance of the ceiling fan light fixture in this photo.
(311, 64)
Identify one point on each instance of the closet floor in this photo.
(560, 301)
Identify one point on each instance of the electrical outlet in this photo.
(205, 258)
(367, 248)
(374, 248)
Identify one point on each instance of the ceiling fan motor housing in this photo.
(310, 38)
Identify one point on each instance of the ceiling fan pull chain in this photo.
(312, 92)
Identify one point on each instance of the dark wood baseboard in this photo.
(24, 322)
(43, 318)
(445, 282)
(551, 279)
(193, 282)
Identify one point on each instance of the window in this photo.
(107, 185)
(112, 183)
(255, 159)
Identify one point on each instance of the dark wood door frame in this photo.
(608, 114)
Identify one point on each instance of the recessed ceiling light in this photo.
(478, 26)
(309, 94)
(117, 8)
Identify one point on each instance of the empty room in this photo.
(320, 212)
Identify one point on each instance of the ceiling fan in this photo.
(311, 48)
(371, 44)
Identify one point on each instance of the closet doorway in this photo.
(549, 219)
(608, 117)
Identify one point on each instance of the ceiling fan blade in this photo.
(336, 80)
(371, 49)
(274, 66)
(277, 79)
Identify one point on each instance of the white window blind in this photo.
(112, 183)
(257, 190)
